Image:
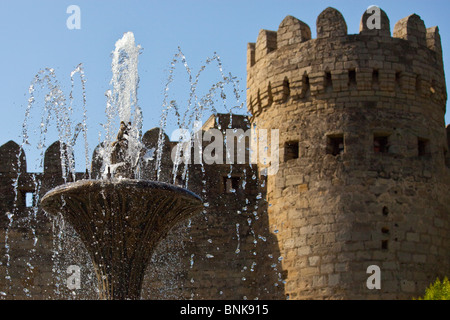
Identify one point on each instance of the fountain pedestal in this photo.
(121, 221)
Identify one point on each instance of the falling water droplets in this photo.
(196, 106)
(238, 250)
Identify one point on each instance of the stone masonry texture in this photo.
(370, 185)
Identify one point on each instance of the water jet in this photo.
(121, 219)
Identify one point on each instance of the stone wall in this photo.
(225, 252)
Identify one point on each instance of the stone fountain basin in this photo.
(135, 201)
(121, 221)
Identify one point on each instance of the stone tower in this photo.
(362, 178)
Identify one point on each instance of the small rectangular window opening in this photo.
(381, 143)
(291, 151)
(398, 76)
(335, 144)
(422, 147)
(231, 185)
(305, 87)
(375, 78)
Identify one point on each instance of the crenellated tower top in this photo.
(288, 63)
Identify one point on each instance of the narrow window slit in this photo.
(352, 79)
(398, 84)
(306, 87)
(328, 82)
(286, 89)
(418, 84)
(422, 147)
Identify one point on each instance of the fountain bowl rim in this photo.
(118, 182)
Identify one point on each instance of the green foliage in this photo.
(438, 291)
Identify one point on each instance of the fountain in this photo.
(121, 219)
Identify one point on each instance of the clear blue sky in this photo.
(34, 36)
